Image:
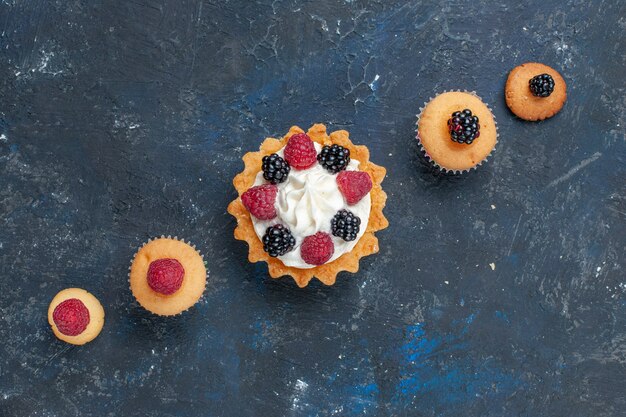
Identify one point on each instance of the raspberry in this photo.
(300, 152)
(165, 275)
(317, 249)
(260, 200)
(71, 317)
(354, 185)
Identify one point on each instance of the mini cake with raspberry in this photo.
(309, 204)
(535, 91)
(456, 131)
(167, 276)
(76, 316)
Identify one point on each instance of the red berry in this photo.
(71, 317)
(260, 200)
(317, 249)
(165, 275)
(354, 185)
(300, 151)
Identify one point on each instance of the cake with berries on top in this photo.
(167, 276)
(456, 131)
(309, 204)
(535, 91)
(76, 316)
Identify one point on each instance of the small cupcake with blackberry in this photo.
(456, 131)
(309, 204)
(535, 91)
(167, 276)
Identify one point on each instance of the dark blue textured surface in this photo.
(123, 120)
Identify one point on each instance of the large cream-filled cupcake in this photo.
(309, 204)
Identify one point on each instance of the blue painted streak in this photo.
(352, 390)
(438, 367)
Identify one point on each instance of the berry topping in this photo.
(300, 151)
(275, 169)
(464, 127)
(354, 185)
(334, 158)
(260, 200)
(345, 225)
(278, 240)
(71, 317)
(317, 249)
(165, 275)
(541, 85)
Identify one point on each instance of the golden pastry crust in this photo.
(193, 284)
(96, 315)
(327, 273)
(435, 139)
(523, 103)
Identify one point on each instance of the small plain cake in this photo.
(456, 131)
(535, 91)
(75, 316)
(167, 276)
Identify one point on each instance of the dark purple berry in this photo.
(345, 225)
(463, 126)
(334, 158)
(275, 168)
(541, 85)
(278, 240)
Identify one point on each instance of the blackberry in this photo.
(275, 168)
(541, 85)
(278, 240)
(345, 225)
(334, 158)
(464, 127)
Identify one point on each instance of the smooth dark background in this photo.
(124, 120)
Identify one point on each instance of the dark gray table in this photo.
(123, 120)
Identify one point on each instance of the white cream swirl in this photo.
(308, 194)
(306, 202)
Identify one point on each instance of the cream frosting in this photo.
(306, 202)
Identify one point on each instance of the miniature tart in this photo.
(309, 204)
(535, 91)
(167, 276)
(76, 316)
(456, 131)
